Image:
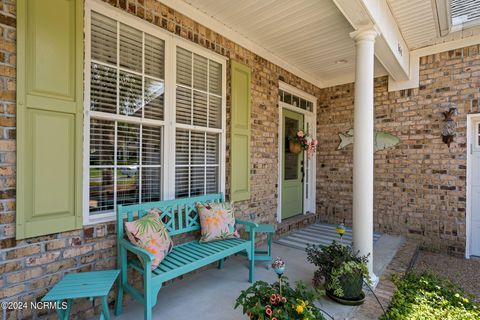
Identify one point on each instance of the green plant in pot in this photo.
(279, 301)
(342, 270)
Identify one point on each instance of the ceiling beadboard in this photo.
(416, 21)
(310, 35)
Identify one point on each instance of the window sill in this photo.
(100, 218)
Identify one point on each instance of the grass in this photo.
(427, 296)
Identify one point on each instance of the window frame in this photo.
(168, 124)
(177, 42)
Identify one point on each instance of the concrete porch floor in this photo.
(211, 294)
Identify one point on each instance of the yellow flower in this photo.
(299, 309)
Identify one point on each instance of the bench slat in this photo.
(201, 259)
(192, 253)
(168, 264)
(206, 248)
(222, 244)
(177, 257)
(195, 253)
(183, 256)
(216, 245)
(171, 259)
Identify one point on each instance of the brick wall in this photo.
(30, 267)
(420, 187)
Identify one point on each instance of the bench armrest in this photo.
(248, 224)
(147, 256)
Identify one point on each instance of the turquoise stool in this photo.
(265, 255)
(83, 285)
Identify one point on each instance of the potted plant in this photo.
(279, 301)
(342, 270)
(301, 141)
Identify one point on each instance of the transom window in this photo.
(294, 100)
(155, 115)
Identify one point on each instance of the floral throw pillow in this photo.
(150, 233)
(217, 221)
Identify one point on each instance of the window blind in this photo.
(199, 110)
(130, 127)
(127, 90)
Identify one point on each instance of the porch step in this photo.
(318, 234)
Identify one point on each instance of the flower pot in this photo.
(294, 147)
(346, 302)
(352, 287)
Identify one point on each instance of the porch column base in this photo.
(375, 280)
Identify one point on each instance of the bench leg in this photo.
(155, 290)
(65, 314)
(251, 275)
(220, 263)
(119, 300)
(147, 293)
(269, 250)
(104, 315)
(122, 264)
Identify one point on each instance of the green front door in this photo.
(292, 176)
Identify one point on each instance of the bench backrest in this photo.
(178, 215)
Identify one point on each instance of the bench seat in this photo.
(191, 256)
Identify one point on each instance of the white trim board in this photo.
(468, 223)
(390, 47)
(415, 56)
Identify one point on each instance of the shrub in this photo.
(426, 296)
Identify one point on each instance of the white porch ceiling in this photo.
(416, 20)
(311, 35)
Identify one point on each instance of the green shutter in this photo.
(240, 125)
(49, 116)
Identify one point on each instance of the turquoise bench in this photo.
(179, 216)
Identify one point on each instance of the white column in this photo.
(363, 148)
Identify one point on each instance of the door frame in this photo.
(471, 132)
(310, 118)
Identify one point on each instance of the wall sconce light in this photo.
(448, 130)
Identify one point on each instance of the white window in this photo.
(155, 115)
(198, 124)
